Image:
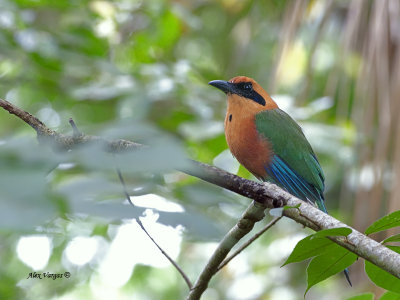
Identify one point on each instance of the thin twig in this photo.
(121, 179)
(247, 243)
(77, 133)
(177, 267)
(75, 130)
(187, 280)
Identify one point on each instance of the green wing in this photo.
(294, 165)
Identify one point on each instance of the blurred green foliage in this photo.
(139, 70)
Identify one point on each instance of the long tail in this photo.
(321, 206)
(347, 274)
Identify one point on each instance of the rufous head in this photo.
(242, 89)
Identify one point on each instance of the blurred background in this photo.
(139, 70)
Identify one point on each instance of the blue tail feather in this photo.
(347, 274)
(288, 179)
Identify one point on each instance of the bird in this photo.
(269, 143)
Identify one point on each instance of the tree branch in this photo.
(66, 142)
(253, 214)
(267, 194)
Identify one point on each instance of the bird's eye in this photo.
(248, 87)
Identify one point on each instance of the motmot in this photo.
(269, 143)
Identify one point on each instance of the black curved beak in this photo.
(223, 85)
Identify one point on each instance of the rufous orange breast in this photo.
(250, 148)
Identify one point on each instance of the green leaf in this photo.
(341, 231)
(381, 277)
(390, 296)
(307, 248)
(315, 244)
(389, 221)
(393, 238)
(366, 296)
(324, 266)
(288, 206)
(25, 200)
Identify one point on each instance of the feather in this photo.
(294, 165)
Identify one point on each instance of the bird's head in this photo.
(245, 91)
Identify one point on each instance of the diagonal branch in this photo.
(65, 142)
(177, 267)
(253, 214)
(32, 121)
(267, 194)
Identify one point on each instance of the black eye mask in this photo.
(245, 89)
